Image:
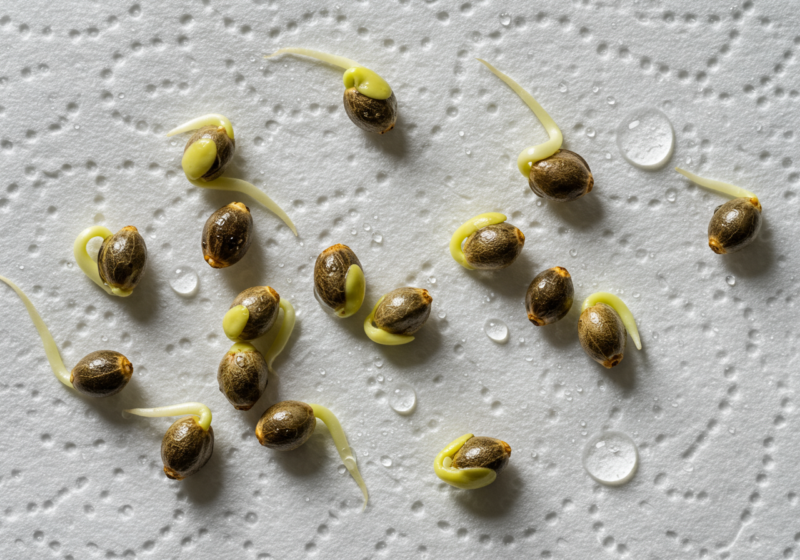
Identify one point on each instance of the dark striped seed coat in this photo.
(486, 452)
(226, 147)
(562, 177)
(330, 274)
(227, 235)
(101, 374)
(263, 304)
(242, 376)
(602, 334)
(734, 225)
(286, 425)
(186, 448)
(403, 311)
(122, 259)
(549, 297)
(493, 247)
(372, 115)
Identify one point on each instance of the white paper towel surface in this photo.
(87, 92)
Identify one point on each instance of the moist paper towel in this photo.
(88, 91)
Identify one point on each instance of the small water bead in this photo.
(496, 330)
(505, 19)
(386, 461)
(590, 132)
(377, 238)
(563, 87)
(611, 101)
(403, 399)
(731, 280)
(184, 281)
(611, 458)
(645, 138)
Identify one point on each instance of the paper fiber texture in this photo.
(88, 91)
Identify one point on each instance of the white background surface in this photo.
(87, 92)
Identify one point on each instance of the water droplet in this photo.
(184, 281)
(377, 238)
(590, 132)
(367, 227)
(468, 151)
(386, 461)
(611, 458)
(672, 195)
(505, 19)
(496, 330)
(377, 362)
(403, 399)
(573, 252)
(731, 280)
(442, 314)
(611, 101)
(461, 133)
(563, 87)
(645, 138)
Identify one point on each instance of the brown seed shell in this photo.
(227, 235)
(602, 334)
(493, 247)
(263, 304)
(549, 297)
(403, 311)
(330, 274)
(101, 374)
(286, 425)
(226, 146)
(486, 452)
(372, 115)
(186, 447)
(242, 377)
(122, 259)
(734, 225)
(562, 177)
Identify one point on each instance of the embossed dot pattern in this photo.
(86, 97)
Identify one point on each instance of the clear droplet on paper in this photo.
(496, 330)
(505, 19)
(377, 238)
(645, 138)
(184, 281)
(731, 280)
(386, 461)
(611, 458)
(403, 399)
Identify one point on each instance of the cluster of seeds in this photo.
(484, 243)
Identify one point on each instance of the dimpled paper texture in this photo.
(87, 94)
